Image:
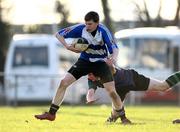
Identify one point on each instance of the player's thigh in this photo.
(141, 82)
(80, 68)
(109, 86)
(122, 93)
(157, 85)
(68, 80)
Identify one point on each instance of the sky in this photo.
(43, 11)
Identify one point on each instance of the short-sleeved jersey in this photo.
(100, 45)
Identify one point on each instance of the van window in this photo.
(66, 58)
(146, 52)
(30, 56)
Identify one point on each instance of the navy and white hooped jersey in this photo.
(99, 45)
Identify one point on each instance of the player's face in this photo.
(91, 26)
(92, 77)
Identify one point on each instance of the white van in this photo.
(34, 66)
(152, 51)
(148, 50)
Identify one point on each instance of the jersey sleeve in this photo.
(72, 31)
(108, 39)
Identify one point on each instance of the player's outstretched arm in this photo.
(90, 96)
(92, 84)
(67, 46)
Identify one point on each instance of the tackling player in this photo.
(94, 60)
(130, 80)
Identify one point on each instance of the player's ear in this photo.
(97, 23)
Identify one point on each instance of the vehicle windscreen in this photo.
(66, 58)
(30, 56)
(143, 52)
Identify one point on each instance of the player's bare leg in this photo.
(67, 81)
(164, 85)
(119, 114)
(117, 103)
(58, 98)
(157, 85)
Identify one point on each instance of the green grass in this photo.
(89, 119)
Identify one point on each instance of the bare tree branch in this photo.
(158, 20)
(60, 8)
(176, 18)
(146, 12)
(107, 18)
(139, 12)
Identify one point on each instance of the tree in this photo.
(107, 18)
(144, 17)
(60, 8)
(176, 18)
(4, 39)
(31, 28)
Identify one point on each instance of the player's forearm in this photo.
(67, 46)
(115, 54)
(92, 88)
(61, 39)
(113, 58)
(90, 97)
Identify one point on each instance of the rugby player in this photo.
(94, 59)
(127, 80)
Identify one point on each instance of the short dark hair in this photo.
(92, 15)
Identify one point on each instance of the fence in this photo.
(38, 88)
(34, 88)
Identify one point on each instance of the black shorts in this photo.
(100, 69)
(140, 83)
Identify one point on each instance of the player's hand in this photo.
(110, 61)
(92, 101)
(72, 48)
(90, 97)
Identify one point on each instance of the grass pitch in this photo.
(90, 119)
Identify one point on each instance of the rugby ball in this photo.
(81, 44)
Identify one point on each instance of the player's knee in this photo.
(110, 89)
(164, 86)
(158, 85)
(64, 83)
(113, 94)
